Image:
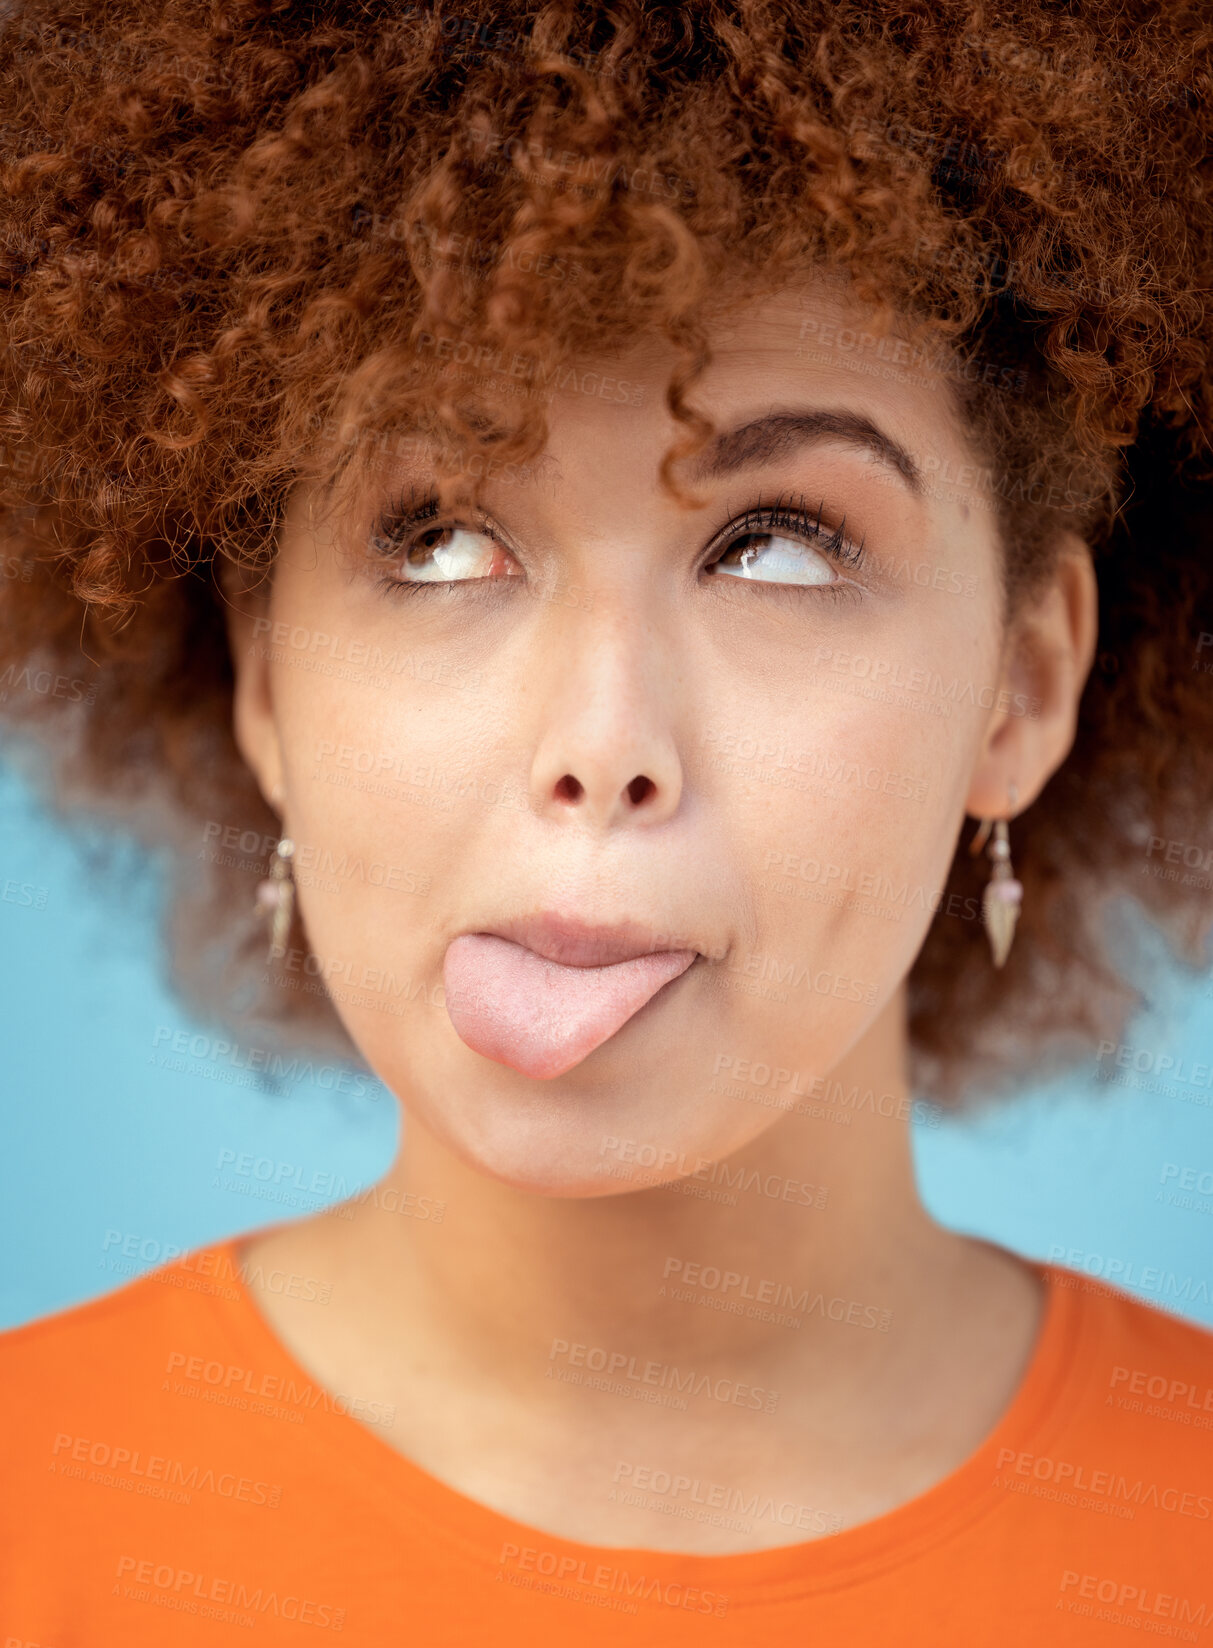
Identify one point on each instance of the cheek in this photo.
(846, 819)
(878, 750)
(376, 766)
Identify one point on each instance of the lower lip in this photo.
(537, 1016)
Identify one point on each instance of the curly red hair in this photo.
(229, 232)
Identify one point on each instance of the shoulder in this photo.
(130, 1437)
(95, 1360)
(44, 1340)
(1140, 1396)
(1143, 1347)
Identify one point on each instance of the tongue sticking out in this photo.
(537, 1016)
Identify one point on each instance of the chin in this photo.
(554, 1144)
(623, 1120)
(573, 1138)
(543, 1156)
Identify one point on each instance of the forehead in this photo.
(813, 349)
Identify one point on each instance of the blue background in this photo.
(105, 1147)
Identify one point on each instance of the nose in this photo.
(585, 785)
(570, 788)
(607, 754)
(635, 795)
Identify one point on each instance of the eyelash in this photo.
(389, 538)
(785, 513)
(791, 514)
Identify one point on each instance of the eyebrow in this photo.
(771, 436)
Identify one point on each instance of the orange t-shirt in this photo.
(172, 1475)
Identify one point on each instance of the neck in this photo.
(817, 1223)
(789, 1322)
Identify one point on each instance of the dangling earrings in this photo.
(1003, 895)
(276, 895)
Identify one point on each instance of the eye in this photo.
(426, 550)
(784, 543)
(442, 553)
(770, 557)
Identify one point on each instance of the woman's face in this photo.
(748, 729)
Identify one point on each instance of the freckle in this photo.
(964, 512)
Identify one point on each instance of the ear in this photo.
(1049, 650)
(246, 609)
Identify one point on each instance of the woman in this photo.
(602, 497)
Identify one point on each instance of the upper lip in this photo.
(583, 944)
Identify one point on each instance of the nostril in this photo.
(569, 788)
(638, 789)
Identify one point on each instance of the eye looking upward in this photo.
(782, 543)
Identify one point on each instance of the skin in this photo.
(554, 1230)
